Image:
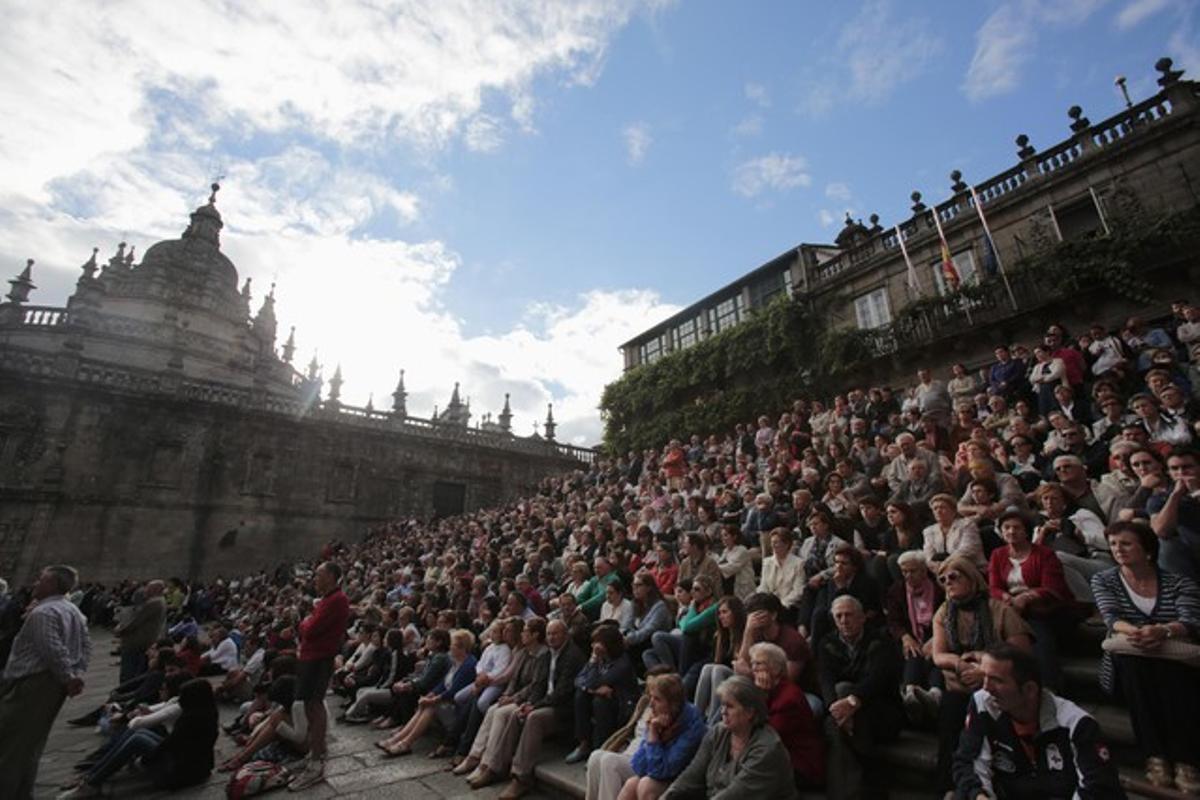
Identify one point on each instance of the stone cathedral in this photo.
(153, 427)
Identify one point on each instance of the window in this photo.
(652, 350)
(872, 309)
(964, 262)
(1079, 220)
(726, 314)
(686, 334)
(765, 290)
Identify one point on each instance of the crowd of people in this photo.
(758, 611)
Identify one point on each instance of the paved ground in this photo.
(355, 769)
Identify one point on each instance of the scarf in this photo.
(981, 633)
(920, 608)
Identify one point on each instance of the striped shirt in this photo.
(1178, 600)
(53, 639)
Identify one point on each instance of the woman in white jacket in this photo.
(783, 571)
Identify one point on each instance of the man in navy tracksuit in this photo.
(1021, 741)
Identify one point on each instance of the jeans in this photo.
(130, 745)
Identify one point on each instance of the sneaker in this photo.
(312, 774)
(577, 755)
(80, 791)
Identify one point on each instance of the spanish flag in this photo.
(949, 271)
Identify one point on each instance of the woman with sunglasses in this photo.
(968, 622)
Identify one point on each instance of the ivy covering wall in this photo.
(792, 347)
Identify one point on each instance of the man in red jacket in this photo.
(321, 636)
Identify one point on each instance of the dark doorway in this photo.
(448, 499)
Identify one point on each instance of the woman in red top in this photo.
(1029, 577)
(790, 714)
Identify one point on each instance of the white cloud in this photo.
(749, 126)
(758, 94)
(838, 191)
(1004, 44)
(1136, 11)
(637, 141)
(483, 133)
(826, 218)
(875, 52)
(775, 171)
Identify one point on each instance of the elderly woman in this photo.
(1145, 609)
(1077, 538)
(909, 609)
(966, 624)
(789, 713)
(742, 756)
(604, 691)
(492, 672)
(1029, 578)
(438, 702)
(665, 735)
(951, 534)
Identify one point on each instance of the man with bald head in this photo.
(143, 628)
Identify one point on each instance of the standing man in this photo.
(321, 636)
(143, 629)
(49, 658)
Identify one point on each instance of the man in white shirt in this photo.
(48, 661)
(222, 656)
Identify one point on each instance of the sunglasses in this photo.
(949, 577)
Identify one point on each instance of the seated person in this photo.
(1077, 538)
(951, 534)
(668, 740)
(789, 713)
(909, 610)
(438, 703)
(604, 692)
(181, 758)
(968, 622)
(859, 671)
(1144, 606)
(1029, 578)
(742, 756)
(849, 577)
(1050, 746)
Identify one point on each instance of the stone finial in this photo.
(1024, 149)
(506, 416)
(289, 347)
(400, 398)
(917, 206)
(875, 226)
(246, 292)
(118, 259)
(264, 324)
(957, 185)
(335, 385)
(314, 369)
(129, 256)
(212, 198)
(90, 267)
(550, 425)
(1169, 76)
(22, 284)
(370, 402)
(1081, 123)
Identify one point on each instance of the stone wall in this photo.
(129, 485)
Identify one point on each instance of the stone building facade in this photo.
(1144, 160)
(152, 427)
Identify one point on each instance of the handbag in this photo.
(1172, 649)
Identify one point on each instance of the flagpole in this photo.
(948, 259)
(913, 285)
(987, 231)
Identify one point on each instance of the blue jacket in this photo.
(658, 618)
(663, 761)
(464, 676)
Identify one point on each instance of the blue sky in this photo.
(499, 193)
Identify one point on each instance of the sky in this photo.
(499, 193)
